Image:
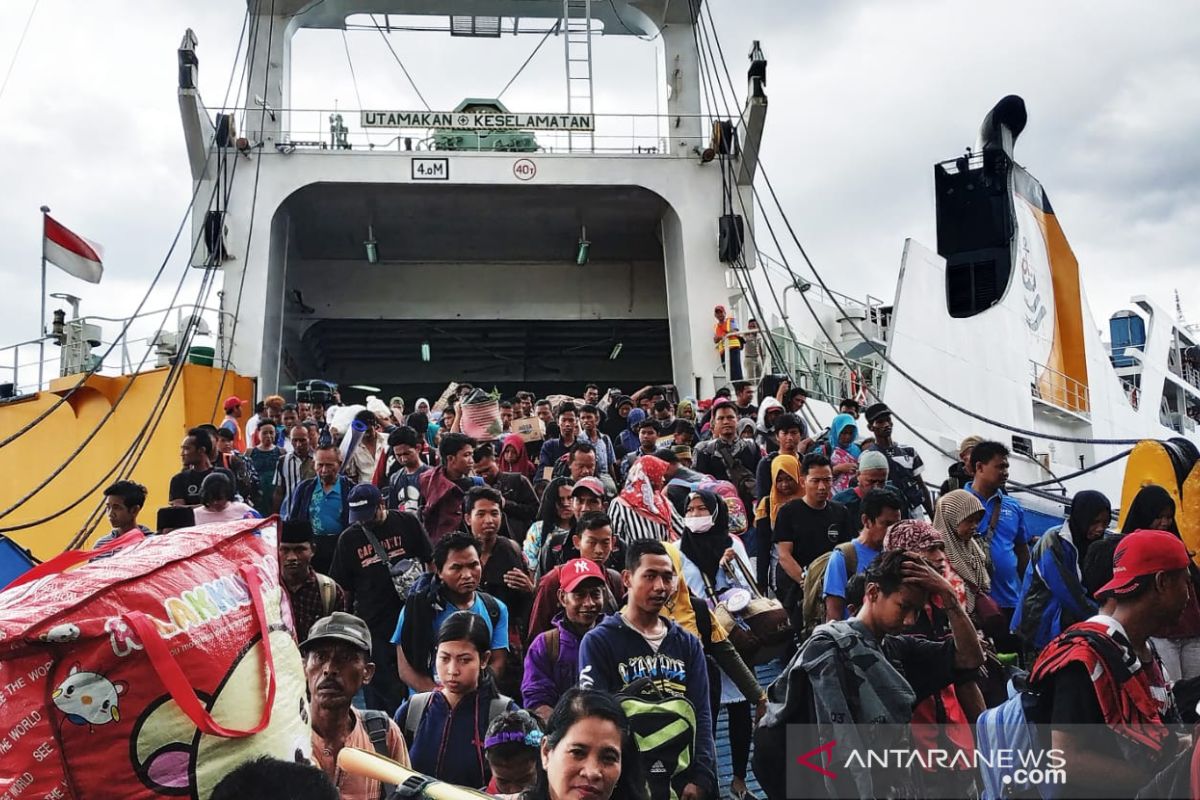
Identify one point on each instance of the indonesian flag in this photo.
(71, 252)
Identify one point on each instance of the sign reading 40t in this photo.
(477, 120)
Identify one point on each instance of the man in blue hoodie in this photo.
(641, 643)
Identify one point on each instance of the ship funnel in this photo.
(1002, 125)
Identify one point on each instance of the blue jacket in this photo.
(1052, 596)
(297, 506)
(613, 655)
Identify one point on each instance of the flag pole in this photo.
(42, 317)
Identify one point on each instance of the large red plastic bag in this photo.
(144, 674)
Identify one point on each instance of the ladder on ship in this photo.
(577, 47)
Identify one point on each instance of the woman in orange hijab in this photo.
(785, 487)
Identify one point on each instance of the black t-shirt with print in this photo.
(357, 569)
(811, 532)
(186, 484)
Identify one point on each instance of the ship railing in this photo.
(150, 342)
(873, 315)
(1186, 372)
(617, 134)
(821, 372)
(1057, 389)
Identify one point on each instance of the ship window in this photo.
(971, 287)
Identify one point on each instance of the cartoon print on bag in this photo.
(166, 746)
(89, 698)
(61, 634)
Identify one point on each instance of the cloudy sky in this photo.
(864, 98)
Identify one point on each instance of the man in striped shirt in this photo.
(293, 467)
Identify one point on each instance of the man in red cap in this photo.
(233, 412)
(1103, 673)
(552, 662)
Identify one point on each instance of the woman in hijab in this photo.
(1052, 594)
(514, 458)
(642, 510)
(615, 419)
(785, 487)
(956, 518)
(706, 545)
(1152, 509)
(842, 451)
(629, 435)
(686, 409)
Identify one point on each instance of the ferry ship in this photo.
(548, 247)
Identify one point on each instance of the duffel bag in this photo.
(151, 673)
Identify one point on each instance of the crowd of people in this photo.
(514, 614)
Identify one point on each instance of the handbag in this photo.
(745, 642)
(765, 617)
(151, 674)
(404, 573)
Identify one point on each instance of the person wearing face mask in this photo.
(707, 546)
(1052, 593)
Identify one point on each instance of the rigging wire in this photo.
(123, 333)
(169, 383)
(237, 309)
(854, 325)
(403, 68)
(128, 462)
(20, 41)
(521, 68)
(727, 186)
(1033, 488)
(354, 80)
(816, 318)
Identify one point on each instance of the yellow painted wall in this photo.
(27, 461)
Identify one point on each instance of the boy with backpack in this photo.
(827, 581)
(660, 672)
(1103, 674)
(861, 671)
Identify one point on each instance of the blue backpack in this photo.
(1010, 726)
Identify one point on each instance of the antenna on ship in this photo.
(1181, 319)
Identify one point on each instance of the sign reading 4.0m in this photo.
(431, 169)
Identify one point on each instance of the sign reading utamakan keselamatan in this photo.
(477, 120)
